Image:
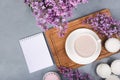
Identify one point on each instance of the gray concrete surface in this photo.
(16, 22)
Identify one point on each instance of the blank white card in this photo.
(36, 52)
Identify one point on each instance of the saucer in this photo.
(71, 51)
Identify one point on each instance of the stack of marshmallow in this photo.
(109, 72)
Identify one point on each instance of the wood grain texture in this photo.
(57, 44)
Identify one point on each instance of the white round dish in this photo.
(70, 50)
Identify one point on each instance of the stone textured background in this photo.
(16, 22)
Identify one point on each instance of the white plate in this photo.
(71, 51)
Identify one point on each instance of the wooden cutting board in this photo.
(57, 44)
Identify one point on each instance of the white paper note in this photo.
(36, 52)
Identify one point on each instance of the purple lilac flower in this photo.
(71, 74)
(53, 12)
(104, 24)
